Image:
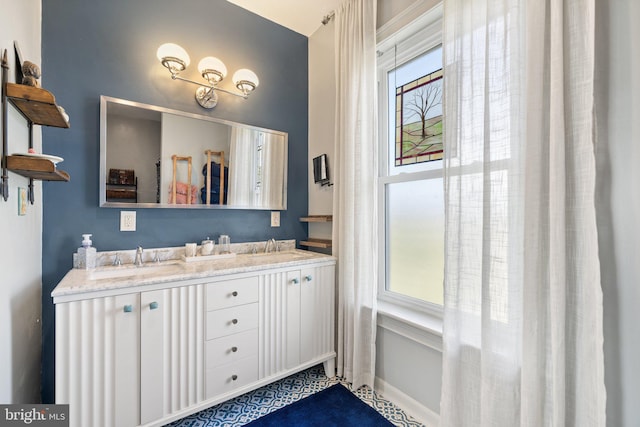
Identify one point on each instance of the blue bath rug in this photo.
(333, 406)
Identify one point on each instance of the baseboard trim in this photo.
(408, 404)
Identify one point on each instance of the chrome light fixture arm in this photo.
(175, 76)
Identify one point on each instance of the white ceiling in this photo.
(301, 16)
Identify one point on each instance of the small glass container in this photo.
(190, 250)
(206, 247)
(224, 242)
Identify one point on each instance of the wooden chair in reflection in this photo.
(209, 178)
(181, 189)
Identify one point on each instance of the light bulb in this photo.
(174, 57)
(245, 80)
(212, 69)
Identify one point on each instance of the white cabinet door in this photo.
(296, 318)
(98, 360)
(292, 309)
(153, 309)
(126, 351)
(279, 322)
(316, 312)
(171, 350)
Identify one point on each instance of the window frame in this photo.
(412, 40)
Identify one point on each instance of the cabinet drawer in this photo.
(231, 376)
(231, 348)
(232, 293)
(232, 320)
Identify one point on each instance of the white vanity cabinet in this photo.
(297, 319)
(151, 351)
(129, 359)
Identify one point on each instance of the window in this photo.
(410, 185)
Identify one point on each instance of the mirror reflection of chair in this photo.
(215, 175)
(182, 193)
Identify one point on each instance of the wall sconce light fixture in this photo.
(213, 70)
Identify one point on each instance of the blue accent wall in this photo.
(93, 48)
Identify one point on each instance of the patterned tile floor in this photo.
(246, 408)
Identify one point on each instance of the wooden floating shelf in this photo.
(36, 104)
(317, 218)
(316, 243)
(35, 168)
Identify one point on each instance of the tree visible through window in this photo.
(419, 120)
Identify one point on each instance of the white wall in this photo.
(21, 249)
(135, 144)
(618, 201)
(322, 95)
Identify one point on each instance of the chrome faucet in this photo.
(138, 262)
(117, 261)
(270, 242)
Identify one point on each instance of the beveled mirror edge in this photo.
(102, 202)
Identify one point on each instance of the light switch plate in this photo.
(275, 218)
(127, 220)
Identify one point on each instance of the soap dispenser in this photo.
(87, 254)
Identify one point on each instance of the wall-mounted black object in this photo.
(321, 170)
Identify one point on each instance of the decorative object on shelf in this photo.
(22, 201)
(30, 74)
(53, 159)
(212, 69)
(38, 106)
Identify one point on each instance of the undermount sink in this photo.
(293, 255)
(131, 270)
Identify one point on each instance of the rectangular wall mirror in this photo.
(154, 157)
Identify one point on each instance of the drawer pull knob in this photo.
(153, 305)
(234, 293)
(234, 349)
(234, 377)
(294, 280)
(234, 321)
(128, 308)
(308, 278)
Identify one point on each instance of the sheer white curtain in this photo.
(354, 197)
(242, 167)
(523, 302)
(272, 173)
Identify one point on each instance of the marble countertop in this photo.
(108, 278)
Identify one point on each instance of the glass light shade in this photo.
(245, 80)
(173, 55)
(212, 63)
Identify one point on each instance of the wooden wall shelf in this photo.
(36, 104)
(41, 169)
(316, 243)
(313, 242)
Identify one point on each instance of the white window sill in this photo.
(421, 327)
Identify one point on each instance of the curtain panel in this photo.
(354, 198)
(523, 334)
